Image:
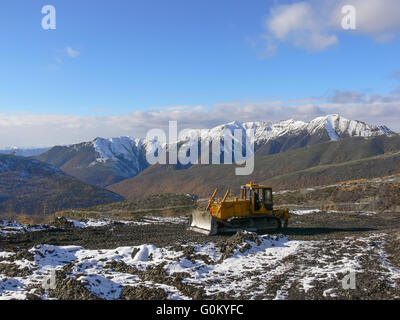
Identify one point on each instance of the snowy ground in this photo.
(311, 211)
(267, 267)
(7, 227)
(86, 223)
(158, 258)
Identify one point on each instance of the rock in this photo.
(134, 252)
(62, 222)
(31, 296)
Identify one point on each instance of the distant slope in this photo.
(378, 166)
(312, 165)
(365, 195)
(24, 152)
(33, 187)
(159, 205)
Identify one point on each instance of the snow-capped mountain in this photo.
(335, 126)
(126, 152)
(101, 161)
(107, 161)
(338, 127)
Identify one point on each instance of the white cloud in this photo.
(300, 25)
(71, 52)
(316, 25)
(358, 97)
(377, 18)
(53, 129)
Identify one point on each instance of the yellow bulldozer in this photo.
(252, 211)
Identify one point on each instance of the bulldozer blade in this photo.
(203, 222)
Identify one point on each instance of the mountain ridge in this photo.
(312, 165)
(106, 161)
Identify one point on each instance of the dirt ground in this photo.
(374, 239)
(316, 226)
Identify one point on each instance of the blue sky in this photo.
(124, 57)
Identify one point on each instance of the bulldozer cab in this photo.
(260, 197)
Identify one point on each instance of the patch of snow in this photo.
(329, 126)
(5, 255)
(392, 272)
(329, 293)
(8, 227)
(367, 213)
(155, 219)
(301, 212)
(144, 252)
(146, 220)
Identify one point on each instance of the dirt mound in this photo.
(142, 293)
(237, 241)
(13, 270)
(61, 222)
(242, 241)
(71, 289)
(21, 254)
(157, 274)
(68, 288)
(190, 254)
(24, 254)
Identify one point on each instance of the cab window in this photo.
(267, 196)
